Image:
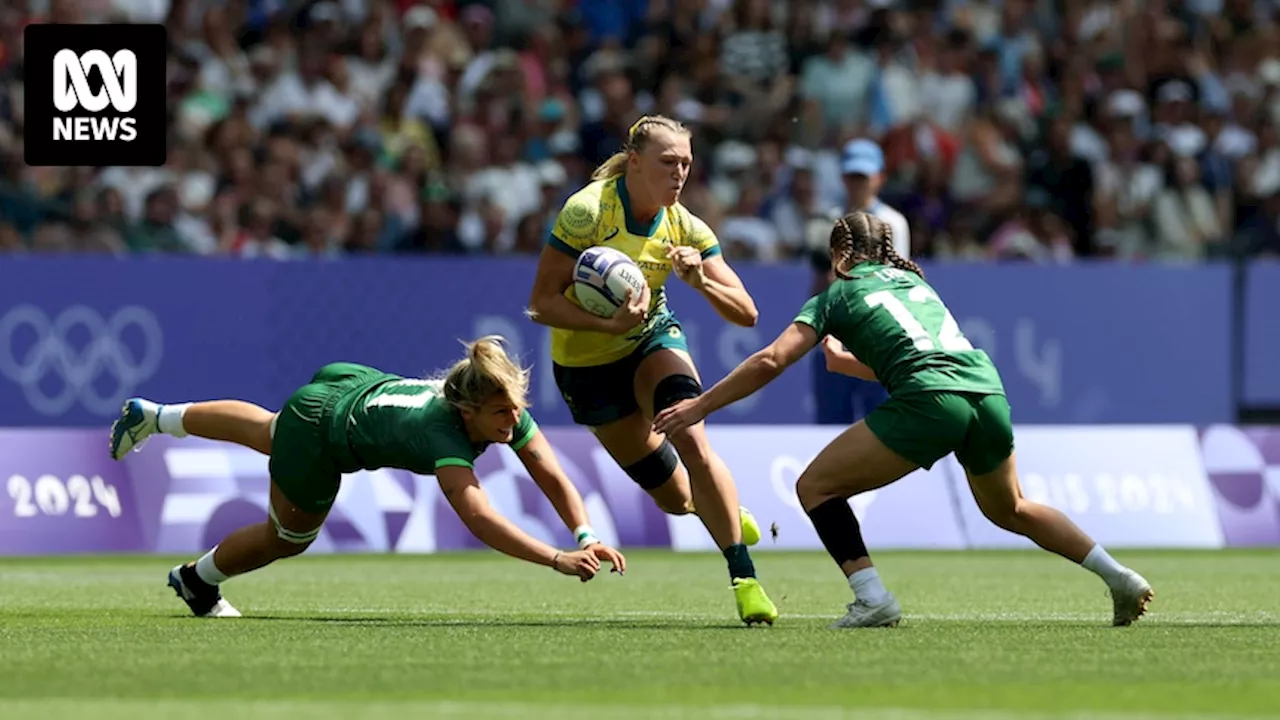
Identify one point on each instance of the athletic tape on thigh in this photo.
(289, 536)
(654, 469)
(674, 388)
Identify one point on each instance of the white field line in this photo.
(1103, 615)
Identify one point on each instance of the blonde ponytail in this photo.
(486, 371)
(637, 138)
(611, 168)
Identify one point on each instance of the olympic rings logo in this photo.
(79, 369)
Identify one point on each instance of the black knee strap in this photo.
(674, 388)
(654, 469)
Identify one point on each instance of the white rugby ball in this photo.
(601, 278)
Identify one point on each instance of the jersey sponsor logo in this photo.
(654, 266)
(34, 347)
(610, 236)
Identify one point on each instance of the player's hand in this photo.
(580, 563)
(632, 313)
(687, 264)
(604, 553)
(833, 350)
(679, 416)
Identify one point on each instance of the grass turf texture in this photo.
(985, 635)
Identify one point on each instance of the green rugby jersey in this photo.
(896, 324)
(397, 422)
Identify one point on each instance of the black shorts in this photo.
(600, 394)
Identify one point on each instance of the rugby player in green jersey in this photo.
(944, 396)
(352, 417)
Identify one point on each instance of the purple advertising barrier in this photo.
(1127, 486)
(62, 494)
(1244, 469)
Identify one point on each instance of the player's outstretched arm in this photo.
(468, 499)
(844, 362)
(754, 373)
(539, 459)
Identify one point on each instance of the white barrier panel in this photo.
(1127, 486)
(766, 461)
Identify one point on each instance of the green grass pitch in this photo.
(985, 635)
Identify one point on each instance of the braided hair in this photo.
(863, 237)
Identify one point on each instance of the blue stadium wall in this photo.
(1086, 344)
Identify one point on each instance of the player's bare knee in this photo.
(804, 492)
(813, 490)
(672, 503)
(693, 448)
(810, 492)
(1009, 516)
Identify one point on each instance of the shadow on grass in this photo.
(700, 625)
(498, 622)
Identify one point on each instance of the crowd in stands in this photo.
(1045, 130)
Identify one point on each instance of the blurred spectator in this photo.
(1035, 233)
(1186, 222)
(862, 164)
(1136, 130)
(844, 400)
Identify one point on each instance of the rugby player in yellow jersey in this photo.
(616, 373)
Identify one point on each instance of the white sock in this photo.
(207, 571)
(170, 419)
(1100, 562)
(866, 586)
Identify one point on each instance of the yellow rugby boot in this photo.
(750, 530)
(753, 605)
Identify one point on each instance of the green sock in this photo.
(740, 565)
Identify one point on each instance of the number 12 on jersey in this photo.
(948, 338)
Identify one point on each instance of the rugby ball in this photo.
(601, 278)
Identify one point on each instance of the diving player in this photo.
(352, 417)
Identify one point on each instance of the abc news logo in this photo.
(95, 95)
(71, 91)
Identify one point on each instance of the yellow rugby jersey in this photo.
(600, 214)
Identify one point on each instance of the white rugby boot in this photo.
(862, 614)
(1130, 596)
